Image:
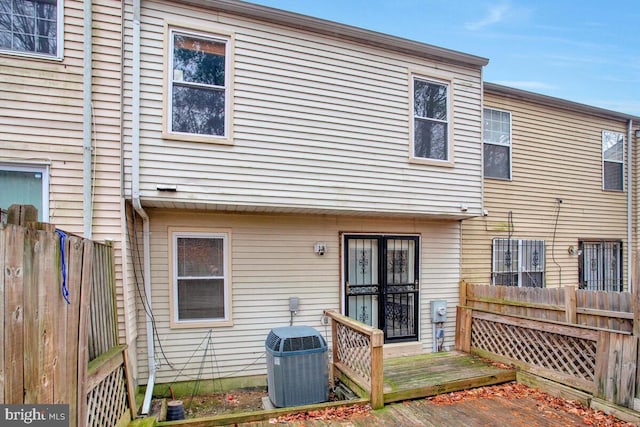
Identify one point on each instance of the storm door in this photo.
(381, 284)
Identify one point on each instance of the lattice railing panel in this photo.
(561, 353)
(354, 350)
(107, 402)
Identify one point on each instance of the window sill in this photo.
(31, 56)
(432, 162)
(200, 324)
(197, 138)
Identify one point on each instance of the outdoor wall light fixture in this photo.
(637, 133)
(574, 250)
(320, 248)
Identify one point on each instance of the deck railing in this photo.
(357, 356)
(598, 361)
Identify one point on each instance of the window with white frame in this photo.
(31, 27)
(198, 85)
(612, 161)
(25, 185)
(430, 120)
(201, 291)
(600, 265)
(497, 143)
(518, 262)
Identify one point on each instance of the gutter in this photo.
(137, 205)
(87, 148)
(629, 206)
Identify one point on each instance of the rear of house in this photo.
(270, 155)
(558, 204)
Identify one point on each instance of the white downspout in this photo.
(87, 149)
(629, 206)
(137, 205)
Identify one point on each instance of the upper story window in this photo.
(431, 120)
(198, 85)
(32, 27)
(201, 279)
(612, 161)
(25, 185)
(497, 144)
(518, 262)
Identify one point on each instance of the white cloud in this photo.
(494, 15)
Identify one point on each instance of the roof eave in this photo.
(556, 102)
(334, 29)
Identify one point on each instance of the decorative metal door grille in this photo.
(600, 266)
(382, 287)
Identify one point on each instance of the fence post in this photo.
(463, 329)
(570, 304)
(377, 370)
(22, 214)
(463, 293)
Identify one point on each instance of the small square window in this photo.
(25, 185)
(518, 262)
(31, 27)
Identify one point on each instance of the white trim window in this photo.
(519, 263)
(198, 97)
(612, 161)
(25, 185)
(497, 143)
(431, 121)
(201, 278)
(32, 27)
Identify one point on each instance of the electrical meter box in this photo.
(438, 311)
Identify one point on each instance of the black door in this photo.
(381, 283)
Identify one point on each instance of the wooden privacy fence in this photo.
(357, 356)
(57, 314)
(537, 332)
(599, 309)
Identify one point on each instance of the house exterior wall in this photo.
(41, 124)
(272, 259)
(319, 124)
(556, 154)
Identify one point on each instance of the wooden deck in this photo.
(437, 373)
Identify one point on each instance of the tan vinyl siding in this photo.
(41, 122)
(556, 154)
(273, 259)
(318, 123)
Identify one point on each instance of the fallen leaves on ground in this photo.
(338, 413)
(545, 402)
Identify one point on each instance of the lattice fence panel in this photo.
(107, 402)
(354, 351)
(561, 353)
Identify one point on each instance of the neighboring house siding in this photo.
(272, 260)
(557, 154)
(318, 124)
(41, 123)
(41, 118)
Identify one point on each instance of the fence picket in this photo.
(14, 316)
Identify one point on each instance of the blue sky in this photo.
(585, 51)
